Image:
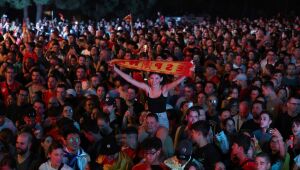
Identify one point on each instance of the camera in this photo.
(269, 130)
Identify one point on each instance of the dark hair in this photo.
(263, 105)
(201, 126)
(243, 141)
(151, 143)
(268, 84)
(152, 115)
(265, 156)
(69, 129)
(8, 160)
(54, 145)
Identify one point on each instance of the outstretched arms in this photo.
(130, 79)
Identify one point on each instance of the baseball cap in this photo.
(240, 76)
(184, 150)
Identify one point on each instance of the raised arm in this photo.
(131, 80)
(173, 84)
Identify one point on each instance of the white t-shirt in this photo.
(47, 166)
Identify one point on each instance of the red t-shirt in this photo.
(6, 89)
(32, 55)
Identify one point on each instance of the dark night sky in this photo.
(223, 8)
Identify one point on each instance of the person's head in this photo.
(230, 125)
(46, 142)
(240, 147)
(201, 100)
(80, 72)
(189, 92)
(131, 93)
(71, 139)
(296, 127)
(52, 103)
(265, 120)
(220, 166)
(101, 91)
(293, 104)
(8, 163)
(9, 73)
(152, 123)
(210, 88)
(35, 75)
(56, 154)
(210, 70)
(39, 107)
(22, 96)
(257, 108)
(152, 149)
(95, 81)
(234, 92)
(243, 109)
(267, 88)
(224, 114)
(24, 142)
(192, 115)
(52, 82)
(103, 121)
(89, 104)
(262, 161)
(255, 92)
(67, 111)
(155, 79)
(200, 130)
(291, 69)
(61, 91)
(130, 137)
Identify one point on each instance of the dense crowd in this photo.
(64, 105)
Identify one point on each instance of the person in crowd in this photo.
(262, 161)
(205, 152)
(239, 149)
(154, 129)
(152, 150)
(55, 154)
(156, 93)
(74, 155)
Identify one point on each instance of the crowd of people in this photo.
(65, 105)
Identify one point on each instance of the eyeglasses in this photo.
(74, 139)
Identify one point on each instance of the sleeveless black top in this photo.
(157, 105)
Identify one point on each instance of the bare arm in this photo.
(173, 84)
(131, 80)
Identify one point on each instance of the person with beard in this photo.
(254, 124)
(25, 159)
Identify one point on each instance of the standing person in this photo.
(55, 154)
(156, 93)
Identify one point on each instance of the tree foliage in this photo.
(19, 4)
(69, 4)
(42, 2)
